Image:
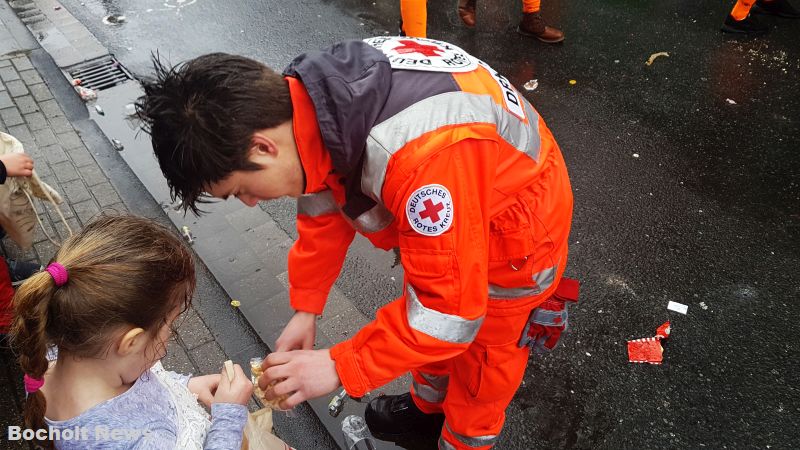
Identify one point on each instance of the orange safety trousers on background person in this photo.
(530, 6)
(414, 14)
(741, 9)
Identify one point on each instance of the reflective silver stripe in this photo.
(439, 382)
(542, 280)
(434, 390)
(317, 204)
(428, 393)
(545, 278)
(374, 220)
(450, 108)
(475, 441)
(444, 445)
(445, 327)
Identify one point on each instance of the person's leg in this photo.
(414, 14)
(533, 25)
(531, 6)
(740, 21)
(482, 383)
(429, 386)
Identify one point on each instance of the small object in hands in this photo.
(531, 85)
(256, 370)
(573, 82)
(649, 350)
(99, 110)
(236, 303)
(337, 403)
(255, 373)
(229, 370)
(86, 94)
(187, 234)
(653, 57)
(117, 144)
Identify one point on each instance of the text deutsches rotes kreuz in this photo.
(430, 210)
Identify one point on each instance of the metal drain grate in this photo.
(101, 73)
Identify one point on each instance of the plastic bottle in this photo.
(356, 434)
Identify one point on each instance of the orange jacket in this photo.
(465, 178)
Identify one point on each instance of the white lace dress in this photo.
(157, 413)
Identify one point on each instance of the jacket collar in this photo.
(314, 156)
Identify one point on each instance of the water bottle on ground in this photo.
(356, 434)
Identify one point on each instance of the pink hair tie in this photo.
(59, 273)
(32, 384)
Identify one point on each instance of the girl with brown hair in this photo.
(107, 303)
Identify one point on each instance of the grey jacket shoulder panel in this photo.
(348, 84)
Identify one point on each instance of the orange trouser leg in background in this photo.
(742, 9)
(415, 17)
(530, 6)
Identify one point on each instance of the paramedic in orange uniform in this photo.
(414, 144)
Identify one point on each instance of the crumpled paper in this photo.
(649, 350)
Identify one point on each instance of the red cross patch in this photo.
(409, 46)
(408, 53)
(430, 210)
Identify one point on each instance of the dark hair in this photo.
(201, 116)
(123, 271)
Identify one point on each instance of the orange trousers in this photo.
(530, 6)
(477, 386)
(741, 9)
(414, 14)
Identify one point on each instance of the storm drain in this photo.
(101, 73)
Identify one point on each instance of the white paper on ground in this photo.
(678, 307)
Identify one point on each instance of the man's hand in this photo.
(204, 387)
(18, 164)
(299, 333)
(301, 374)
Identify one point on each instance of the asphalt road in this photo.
(687, 188)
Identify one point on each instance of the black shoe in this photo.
(21, 270)
(392, 416)
(749, 25)
(780, 8)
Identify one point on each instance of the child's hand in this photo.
(237, 390)
(18, 164)
(204, 387)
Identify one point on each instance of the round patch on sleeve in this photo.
(430, 210)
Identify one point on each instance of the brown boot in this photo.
(533, 25)
(466, 10)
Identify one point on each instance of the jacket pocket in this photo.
(511, 258)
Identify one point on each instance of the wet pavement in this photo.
(687, 188)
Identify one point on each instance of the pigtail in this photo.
(29, 340)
